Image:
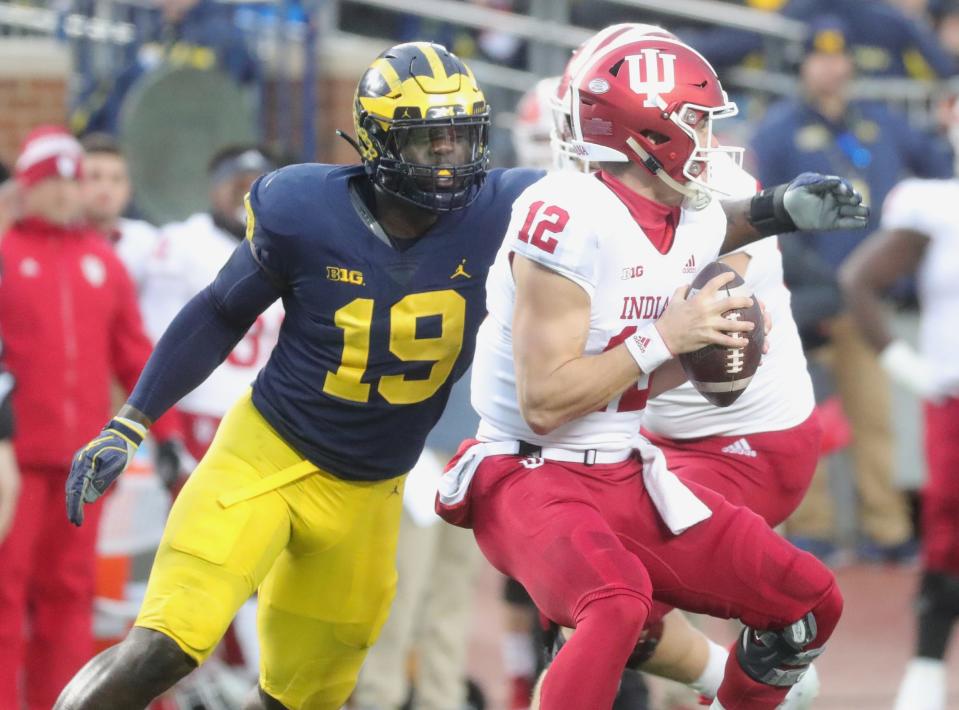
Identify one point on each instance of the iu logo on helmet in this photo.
(652, 73)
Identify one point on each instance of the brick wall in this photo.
(33, 89)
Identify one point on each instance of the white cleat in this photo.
(923, 687)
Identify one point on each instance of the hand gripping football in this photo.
(719, 373)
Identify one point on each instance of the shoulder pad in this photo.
(281, 198)
(514, 180)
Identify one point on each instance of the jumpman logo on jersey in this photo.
(461, 270)
(395, 491)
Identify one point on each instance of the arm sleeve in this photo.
(205, 331)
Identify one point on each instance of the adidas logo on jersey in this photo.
(740, 447)
(690, 267)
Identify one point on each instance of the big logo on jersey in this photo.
(646, 78)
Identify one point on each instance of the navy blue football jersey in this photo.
(373, 337)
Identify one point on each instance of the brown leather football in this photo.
(721, 374)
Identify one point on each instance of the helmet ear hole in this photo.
(654, 137)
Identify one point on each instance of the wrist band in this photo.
(647, 348)
(129, 429)
(767, 213)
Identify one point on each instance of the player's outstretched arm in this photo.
(810, 202)
(874, 266)
(557, 383)
(201, 336)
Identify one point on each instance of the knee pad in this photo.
(779, 657)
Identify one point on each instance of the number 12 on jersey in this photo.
(552, 219)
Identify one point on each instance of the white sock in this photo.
(712, 676)
(924, 686)
(802, 694)
(519, 659)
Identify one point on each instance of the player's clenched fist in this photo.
(688, 324)
(99, 463)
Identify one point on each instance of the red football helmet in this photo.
(636, 92)
(533, 125)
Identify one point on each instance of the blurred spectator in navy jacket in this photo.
(194, 33)
(882, 39)
(823, 131)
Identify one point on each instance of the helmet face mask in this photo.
(423, 127)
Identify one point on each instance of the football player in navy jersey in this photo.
(381, 268)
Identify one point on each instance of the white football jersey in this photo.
(926, 206)
(186, 259)
(137, 241)
(572, 223)
(780, 395)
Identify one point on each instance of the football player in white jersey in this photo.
(186, 258)
(760, 452)
(919, 235)
(584, 320)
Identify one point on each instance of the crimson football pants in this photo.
(771, 483)
(770, 478)
(940, 495)
(47, 578)
(591, 549)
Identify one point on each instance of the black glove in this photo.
(170, 461)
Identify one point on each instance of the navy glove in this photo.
(99, 463)
(817, 202)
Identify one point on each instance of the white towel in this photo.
(678, 506)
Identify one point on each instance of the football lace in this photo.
(735, 358)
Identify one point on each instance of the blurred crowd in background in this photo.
(176, 106)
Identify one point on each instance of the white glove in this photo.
(907, 367)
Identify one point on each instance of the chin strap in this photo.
(349, 139)
(695, 197)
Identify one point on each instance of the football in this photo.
(721, 374)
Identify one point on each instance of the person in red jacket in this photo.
(70, 323)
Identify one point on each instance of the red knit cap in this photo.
(48, 151)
